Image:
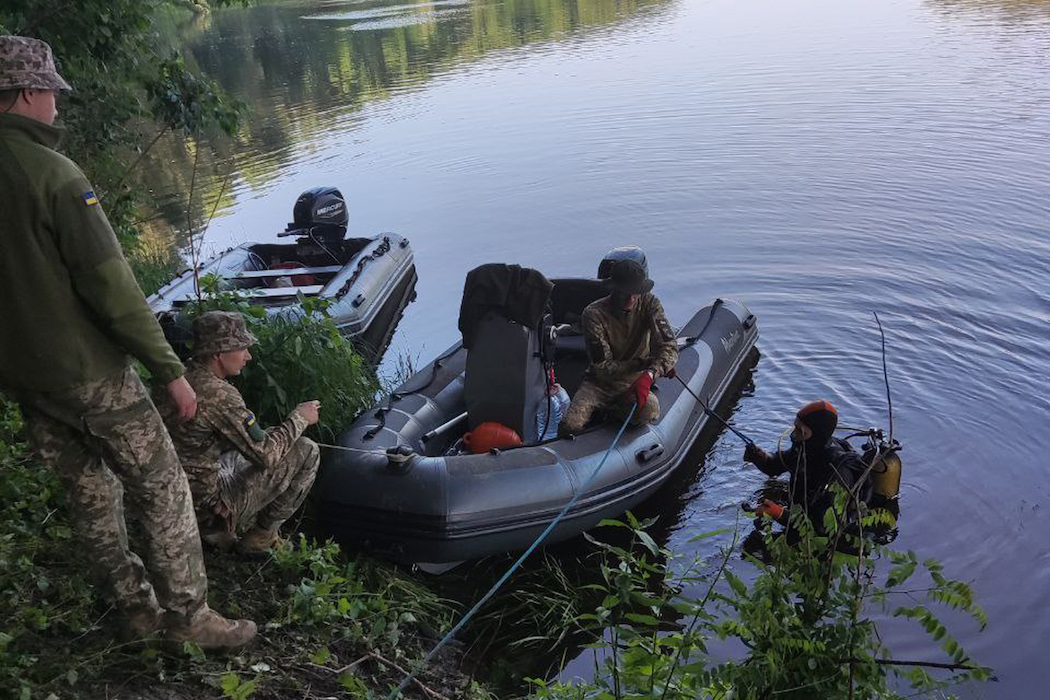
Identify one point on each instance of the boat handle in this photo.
(358, 300)
(749, 321)
(654, 450)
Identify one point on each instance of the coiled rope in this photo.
(514, 567)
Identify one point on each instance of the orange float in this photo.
(491, 435)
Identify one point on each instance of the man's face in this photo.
(233, 362)
(628, 301)
(801, 433)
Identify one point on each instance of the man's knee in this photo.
(576, 418)
(310, 456)
(650, 413)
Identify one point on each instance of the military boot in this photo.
(256, 542)
(140, 623)
(210, 630)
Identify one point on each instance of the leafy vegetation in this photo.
(297, 358)
(804, 623)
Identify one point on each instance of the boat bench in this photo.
(260, 274)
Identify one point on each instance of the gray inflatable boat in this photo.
(426, 505)
(368, 282)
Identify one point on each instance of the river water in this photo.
(818, 159)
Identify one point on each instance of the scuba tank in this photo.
(885, 479)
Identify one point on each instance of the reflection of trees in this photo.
(1005, 11)
(299, 76)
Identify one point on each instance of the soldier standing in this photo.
(246, 481)
(629, 343)
(72, 314)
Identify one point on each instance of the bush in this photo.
(298, 358)
(804, 622)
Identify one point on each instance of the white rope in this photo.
(352, 449)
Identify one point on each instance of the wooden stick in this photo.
(376, 657)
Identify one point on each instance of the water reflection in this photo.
(302, 77)
(1017, 12)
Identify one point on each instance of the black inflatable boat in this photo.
(428, 505)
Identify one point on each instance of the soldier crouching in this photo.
(630, 344)
(246, 481)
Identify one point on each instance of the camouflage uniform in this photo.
(72, 313)
(621, 345)
(238, 472)
(113, 419)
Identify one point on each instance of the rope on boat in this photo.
(351, 449)
(514, 567)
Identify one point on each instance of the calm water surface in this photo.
(816, 159)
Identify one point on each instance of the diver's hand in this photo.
(755, 454)
(769, 509)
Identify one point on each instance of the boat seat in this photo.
(570, 346)
(571, 296)
(256, 274)
(504, 377)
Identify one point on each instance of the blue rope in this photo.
(503, 579)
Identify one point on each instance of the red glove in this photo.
(768, 507)
(641, 388)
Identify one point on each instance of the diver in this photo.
(815, 461)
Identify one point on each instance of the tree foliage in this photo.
(129, 89)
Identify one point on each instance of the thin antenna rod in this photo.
(885, 374)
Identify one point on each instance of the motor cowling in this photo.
(627, 252)
(320, 213)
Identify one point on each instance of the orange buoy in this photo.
(489, 435)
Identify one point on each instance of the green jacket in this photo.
(70, 308)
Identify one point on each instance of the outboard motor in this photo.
(627, 252)
(319, 213)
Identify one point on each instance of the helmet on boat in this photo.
(320, 212)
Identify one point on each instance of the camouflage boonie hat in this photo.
(628, 277)
(27, 63)
(220, 331)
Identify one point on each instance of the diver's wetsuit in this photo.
(813, 466)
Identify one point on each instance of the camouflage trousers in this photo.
(616, 403)
(263, 498)
(105, 439)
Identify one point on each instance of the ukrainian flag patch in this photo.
(89, 198)
(255, 432)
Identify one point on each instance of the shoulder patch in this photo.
(252, 426)
(89, 198)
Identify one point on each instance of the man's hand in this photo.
(310, 410)
(641, 387)
(185, 398)
(754, 454)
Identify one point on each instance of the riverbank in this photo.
(328, 624)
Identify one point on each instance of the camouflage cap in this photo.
(220, 331)
(26, 63)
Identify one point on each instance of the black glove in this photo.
(754, 454)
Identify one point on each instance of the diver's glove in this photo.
(770, 509)
(641, 387)
(755, 454)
